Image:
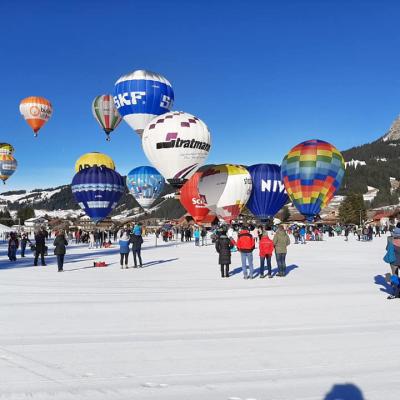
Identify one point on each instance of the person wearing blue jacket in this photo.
(196, 236)
(303, 235)
(124, 250)
(137, 229)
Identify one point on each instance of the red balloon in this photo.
(190, 198)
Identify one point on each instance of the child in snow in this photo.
(266, 247)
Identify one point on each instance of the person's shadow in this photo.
(344, 391)
(386, 286)
(289, 269)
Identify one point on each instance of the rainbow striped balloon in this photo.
(312, 172)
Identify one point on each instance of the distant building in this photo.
(35, 222)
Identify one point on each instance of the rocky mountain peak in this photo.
(394, 131)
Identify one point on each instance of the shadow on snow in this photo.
(274, 271)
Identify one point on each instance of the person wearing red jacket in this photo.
(245, 244)
(266, 247)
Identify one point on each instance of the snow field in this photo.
(176, 330)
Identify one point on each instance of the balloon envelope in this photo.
(8, 165)
(36, 111)
(225, 189)
(97, 190)
(6, 148)
(268, 195)
(177, 144)
(105, 113)
(145, 184)
(94, 159)
(142, 95)
(312, 173)
(190, 197)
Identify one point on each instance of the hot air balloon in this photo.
(105, 113)
(36, 111)
(6, 148)
(142, 95)
(8, 165)
(190, 197)
(312, 173)
(97, 190)
(177, 144)
(268, 195)
(225, 190)
(145, 184)
(94, 159)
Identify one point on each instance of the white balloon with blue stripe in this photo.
(141, 96)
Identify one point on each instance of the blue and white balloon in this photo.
(268, 195)
(142, 95)
(97, 190)
(145, 184)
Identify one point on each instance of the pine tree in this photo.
(5, 218)
(352, 209)
(25, 213)
(285, 214)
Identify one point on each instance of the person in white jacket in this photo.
(91, 240)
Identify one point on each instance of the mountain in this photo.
(59, 202)
(375, 166)
(394, 132)
(372, 169)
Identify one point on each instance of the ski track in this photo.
(175, 330)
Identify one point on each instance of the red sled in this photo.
(99, 264)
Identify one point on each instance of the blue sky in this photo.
(263, 75)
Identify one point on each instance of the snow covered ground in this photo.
(176, 330)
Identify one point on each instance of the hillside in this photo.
(375, 165)
(60, 202)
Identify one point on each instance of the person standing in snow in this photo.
(124, 250)
(346, 233)
(394, 239)
(223, 245)
(254, 233)
(302, 233)
(40, 245)
(370, 232)
(13, 245)
(266, 247)
(60, 243)
(203, 235)
(24, 242)
(246, 245)
(196, 236)
(91, 240)
(281, 242)
(137, 242)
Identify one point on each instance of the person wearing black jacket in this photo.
(60, 244)
(24, 242)
(223, 245)
(137, 242)
(40, 245)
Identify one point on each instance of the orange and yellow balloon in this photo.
(36, 111)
